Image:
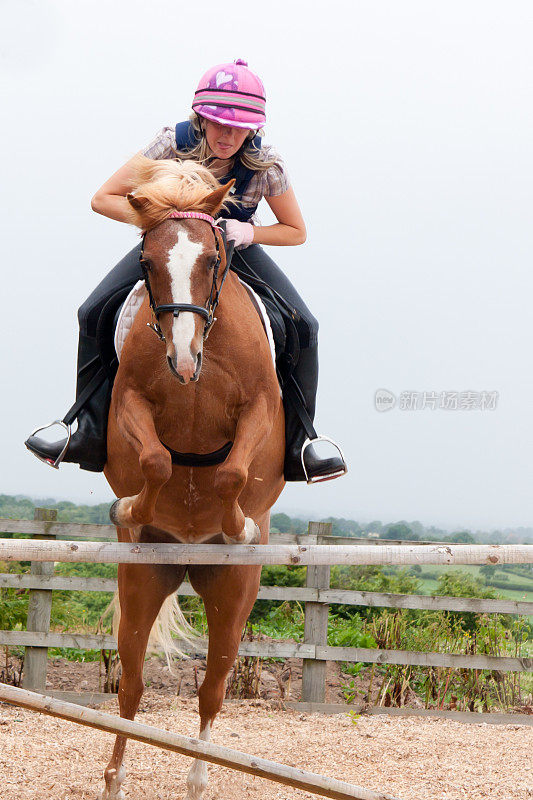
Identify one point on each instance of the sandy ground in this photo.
(43, 758)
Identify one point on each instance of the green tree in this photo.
(375, 526)
(461, 537)
(282, 522)
(399, 530)
(417, 528)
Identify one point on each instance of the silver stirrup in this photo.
(320, 478)
(55, 464)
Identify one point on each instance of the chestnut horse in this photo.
(185, 393)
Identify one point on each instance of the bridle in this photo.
(207, 312)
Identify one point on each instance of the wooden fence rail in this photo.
(346, 597)
(266, 554)
(317, 596)
(305, 650)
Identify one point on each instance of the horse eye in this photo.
(212, 263)
(146, 263)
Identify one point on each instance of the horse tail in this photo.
(170, 632)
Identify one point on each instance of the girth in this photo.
(199, 459)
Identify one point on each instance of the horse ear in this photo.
(213, 202)
(138, 202)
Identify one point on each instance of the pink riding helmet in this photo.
(231, 94)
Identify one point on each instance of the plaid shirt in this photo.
(269, 183)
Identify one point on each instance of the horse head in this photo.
(182, 257)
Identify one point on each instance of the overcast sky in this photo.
(407, 131)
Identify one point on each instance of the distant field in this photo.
(429, 584)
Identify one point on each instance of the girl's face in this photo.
(223, 140)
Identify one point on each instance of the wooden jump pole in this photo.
(234, 759)
(315, 555)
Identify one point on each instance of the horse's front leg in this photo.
(253, 427)
(135, 422)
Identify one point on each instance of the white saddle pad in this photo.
(132, 304)
(135, 299)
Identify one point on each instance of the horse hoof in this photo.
(113, 513)
(120, 513)
(250, 534)
(253, 534)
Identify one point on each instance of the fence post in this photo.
(316, 622)
(39, 608)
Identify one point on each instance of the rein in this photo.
(207, 312)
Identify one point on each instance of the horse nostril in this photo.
(198, 367)
(173, 368)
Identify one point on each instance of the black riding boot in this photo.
(318, 469)
(88, 445)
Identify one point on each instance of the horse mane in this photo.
(165, 185)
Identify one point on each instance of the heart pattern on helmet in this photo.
(223, 77)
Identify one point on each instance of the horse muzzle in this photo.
(186, 371)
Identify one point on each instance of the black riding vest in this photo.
(186, 140)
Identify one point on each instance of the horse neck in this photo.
(238, 322)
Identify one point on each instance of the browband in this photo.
(191, 215)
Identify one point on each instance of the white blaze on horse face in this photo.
(181, 260)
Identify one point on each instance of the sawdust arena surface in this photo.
(42, 758)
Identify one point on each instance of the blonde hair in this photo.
(165, 185)
(248, 153)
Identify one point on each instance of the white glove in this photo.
(242, 233)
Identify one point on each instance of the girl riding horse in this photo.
(224, 134)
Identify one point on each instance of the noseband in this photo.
(207, 312)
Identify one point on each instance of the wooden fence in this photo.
(316, 596)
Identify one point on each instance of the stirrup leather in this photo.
(51, 463)
(321, 478)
